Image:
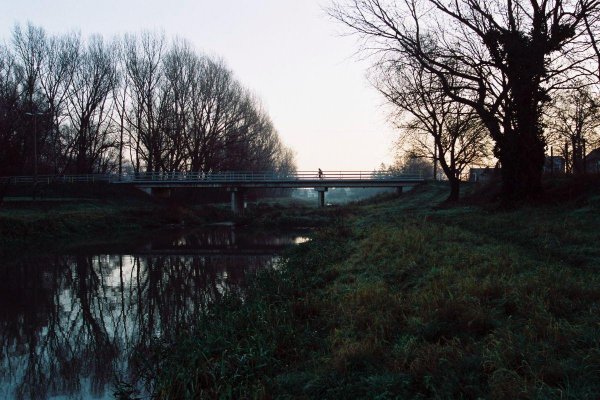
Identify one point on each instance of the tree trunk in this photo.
(454, 190)
(522, 158)
(522, 149)
(577, 156)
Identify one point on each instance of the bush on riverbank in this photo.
(410, 301)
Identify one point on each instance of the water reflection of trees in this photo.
(68, 324)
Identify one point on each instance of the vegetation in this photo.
(71, 216)
(573, 122)
(504, 60)
(459, 138)
(39, 228)
(137, 103)
(404, 299)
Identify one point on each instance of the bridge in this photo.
(161, 183)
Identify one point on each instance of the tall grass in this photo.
(408, 300)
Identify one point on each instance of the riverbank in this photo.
(56, 225)
(42, 227)
(407, 299)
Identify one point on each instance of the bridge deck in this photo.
(303, 179)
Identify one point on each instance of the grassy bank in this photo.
(403, 299)
(59, 224)
(42, 228)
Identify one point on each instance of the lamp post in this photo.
(35, 155)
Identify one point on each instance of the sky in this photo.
(293, 56)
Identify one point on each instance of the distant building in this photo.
(483, 175)
(554, 165)
(592, 162)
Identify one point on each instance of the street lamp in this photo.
(35, 156)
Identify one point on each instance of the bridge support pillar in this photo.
(321, 191)
(399, 190)
(237, 200)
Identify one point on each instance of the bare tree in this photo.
(56, 77)
(505, 57)
(90, 103)
(143, 67)
(120, 97)
(182, 68)
(285, 162)
(437, 127)
(29, 49)
(592, 26)
(11, 118)
(217, 109)
(411, 161)
(574, 119)
(89, 134)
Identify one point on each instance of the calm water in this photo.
(69, 323)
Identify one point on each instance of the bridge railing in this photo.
(216, 177)
(48, 179)
(234, 176)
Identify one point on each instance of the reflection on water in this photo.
(69, 324)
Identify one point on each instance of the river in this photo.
(70, 323)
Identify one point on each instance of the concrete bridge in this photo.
(161, 183)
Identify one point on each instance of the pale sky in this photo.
(288, 52)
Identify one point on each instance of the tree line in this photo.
(474, 78)
(136, 103)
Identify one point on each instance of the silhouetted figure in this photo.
(320, 174)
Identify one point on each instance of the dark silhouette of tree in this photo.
(13, 126)
(505, 57)
(28, 54)
(56, 84)
(120, 98)
(411, 162)
(89, 134)
(181, 70)
(573, 122)
(29, 46)
(592, 26)
(143, 65)
(435, 126)
(140, 103)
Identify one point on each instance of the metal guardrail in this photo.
(48, 179)
(215, 177)
(233, 176)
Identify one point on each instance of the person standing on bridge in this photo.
(320, 174)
